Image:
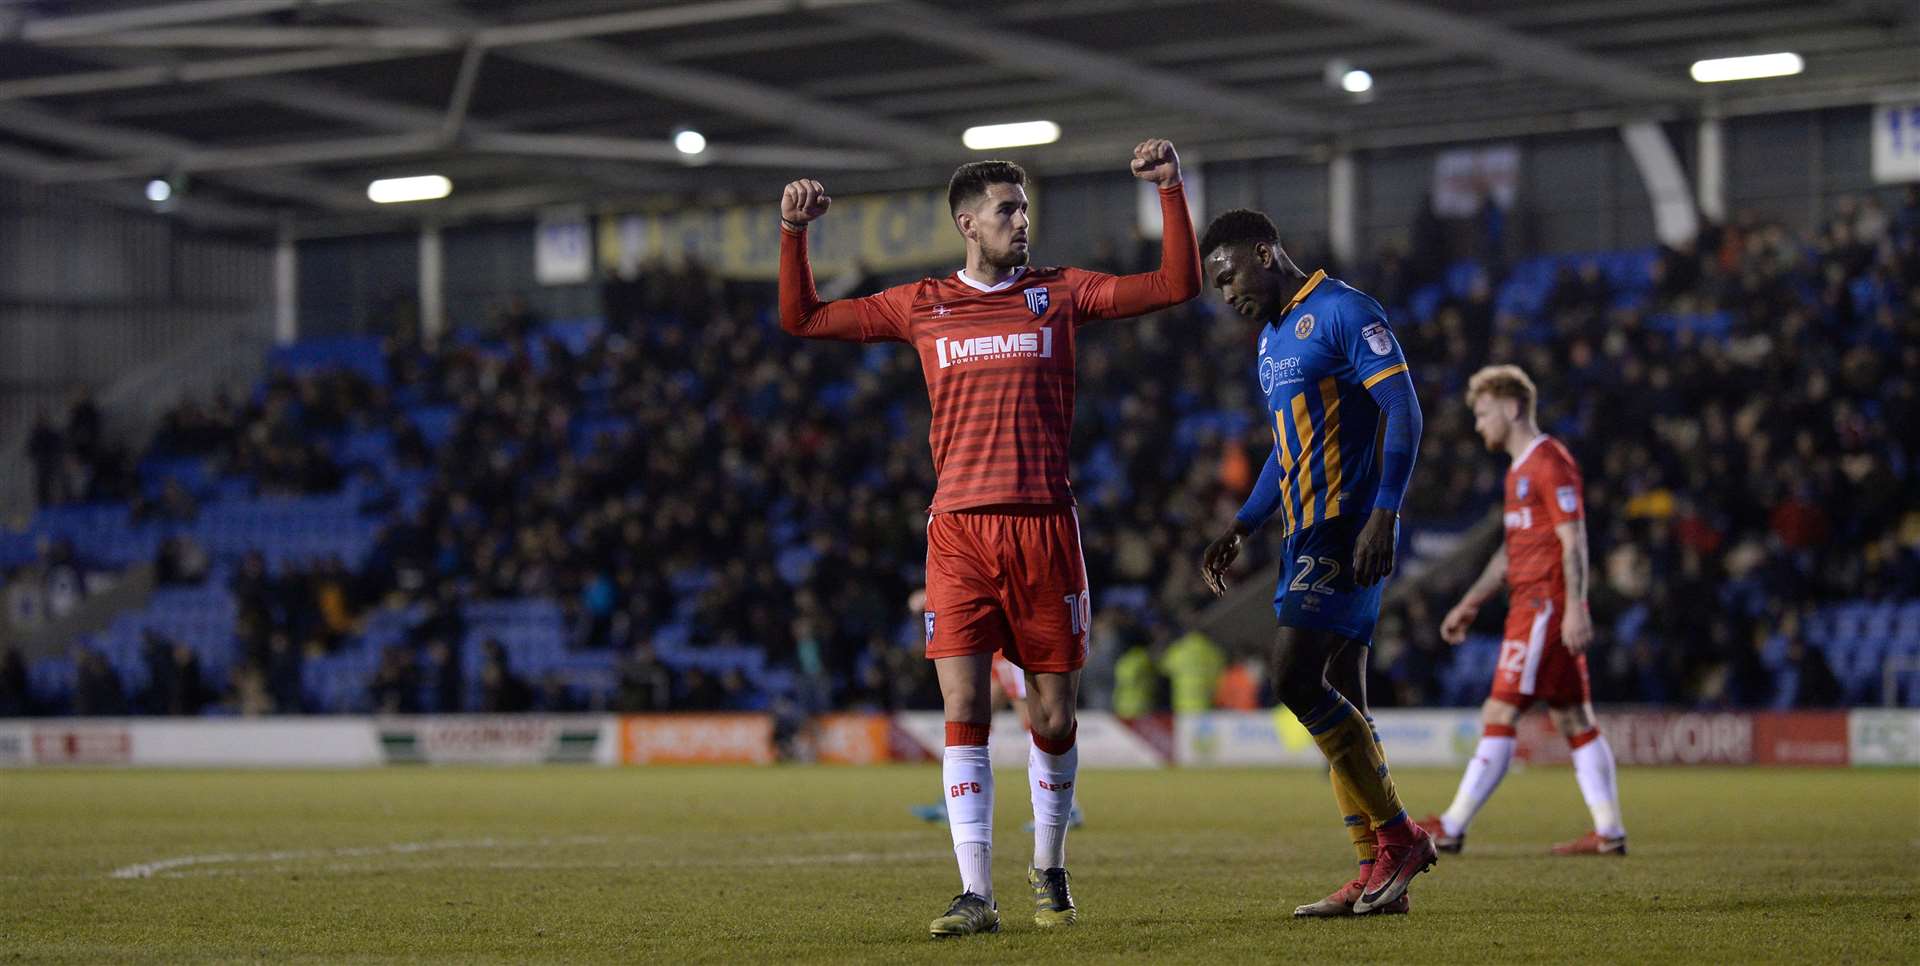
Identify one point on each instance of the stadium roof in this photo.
(276, 113)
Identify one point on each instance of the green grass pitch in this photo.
(788, 865)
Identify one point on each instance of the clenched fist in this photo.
(1155, 160)
(803, 201)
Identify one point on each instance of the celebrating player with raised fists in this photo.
(1004, 568)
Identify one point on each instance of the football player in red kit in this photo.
(1543, 657)
(1004, 568)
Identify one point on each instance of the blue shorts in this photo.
(1316, 581)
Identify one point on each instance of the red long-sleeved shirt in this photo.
(998, 359)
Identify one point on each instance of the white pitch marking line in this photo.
(170, 867)
(147, 870)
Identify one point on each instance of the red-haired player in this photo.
(1544, 656)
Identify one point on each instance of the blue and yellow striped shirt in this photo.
(1316, 364)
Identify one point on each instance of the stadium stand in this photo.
(668, 507)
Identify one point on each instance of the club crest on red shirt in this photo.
(1037, 300)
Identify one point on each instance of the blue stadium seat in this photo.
(17, 549)
(435, 423)
(1134, 597)
(1773, 655)
(51, 675)
(1786, 688)
(1461, 276)
(1464, 680)
(576, 334)
(1861, 675)
(1425, 301)
(586, 431)
(1631, 271)
(367, 446)
(795, 563)
(356, 353)
(193, 473)
(777, 681)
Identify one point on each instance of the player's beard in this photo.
(1007, 258)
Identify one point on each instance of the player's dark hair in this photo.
(1238, 226)
(970, 181)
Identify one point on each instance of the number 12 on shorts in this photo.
(1513, 657)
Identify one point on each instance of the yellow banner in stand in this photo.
(884, 232)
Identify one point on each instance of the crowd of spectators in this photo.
(74, 461)
(174, 685)
(1745, 433)
(1747, 439)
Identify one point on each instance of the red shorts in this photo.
(1009, 579)
(1534, 664)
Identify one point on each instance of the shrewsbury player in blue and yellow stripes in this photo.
(1345, 428)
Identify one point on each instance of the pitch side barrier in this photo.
(1861, 738)
(1639, 736)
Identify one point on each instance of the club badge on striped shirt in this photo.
(1037, 300)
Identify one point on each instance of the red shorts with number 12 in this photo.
(1534, 664)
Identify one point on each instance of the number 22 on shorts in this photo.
(1322, 586)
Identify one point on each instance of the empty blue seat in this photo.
(435, 423)
(1461, 277)
(1425, 301)
(576, 334)
(355, 353)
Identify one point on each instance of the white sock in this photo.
(1051, 779)
(966, 774)
(1593, 767)
(1484, 772)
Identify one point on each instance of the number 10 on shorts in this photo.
(1080, 612)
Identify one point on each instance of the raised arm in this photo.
(874, 318)
(1178, 278)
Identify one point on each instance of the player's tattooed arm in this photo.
(1454, 628)
(1576, 626)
